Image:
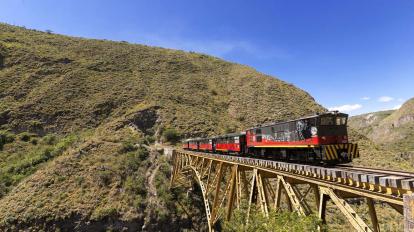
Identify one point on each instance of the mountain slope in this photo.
(393, 129)
(117, 98)
(52, 83)
(365, 123)
(397, 130)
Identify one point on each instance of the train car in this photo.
(321, 138)
(190, 144)
(205, 145)
(230, 143)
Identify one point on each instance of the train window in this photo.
(259, 138)
(236, 140)
(340, 120)
(311, 122)
(258, 131)
(326, 121)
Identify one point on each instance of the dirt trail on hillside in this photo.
(151, 188)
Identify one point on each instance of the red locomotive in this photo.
(320, 138)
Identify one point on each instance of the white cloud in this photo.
(346, 108)
(396, 107)
(400, 100)
(385, 99)
(365, 98)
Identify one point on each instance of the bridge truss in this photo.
(227, 181)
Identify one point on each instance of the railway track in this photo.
(376, 170)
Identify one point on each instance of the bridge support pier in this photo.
(409, 213)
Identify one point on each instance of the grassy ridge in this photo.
(52, 83)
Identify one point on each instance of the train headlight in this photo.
(314, 131)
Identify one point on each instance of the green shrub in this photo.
(135, 185)
(35, 124)
(142, 153)
(127, 147)
(49, 139)
(6, 137)
(171, 135)
(34, 141)
(139, 202)
(103, 212)
(26, 136)
(104, 177)
(149, 139)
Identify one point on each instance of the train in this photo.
(321, 138)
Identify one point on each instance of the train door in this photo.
(243, 145)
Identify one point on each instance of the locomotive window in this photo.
(311, 122)
(341, 121)
(258, 131)
(259, 138)
(326, 121)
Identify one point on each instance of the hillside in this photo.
(79, 118)
(393, 128)
(365, 123)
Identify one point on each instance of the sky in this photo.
(356, 56)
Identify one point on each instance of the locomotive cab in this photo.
(332, 136)
(331, 128)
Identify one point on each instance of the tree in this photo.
(171, 135)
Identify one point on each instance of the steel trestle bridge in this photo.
(227, 181)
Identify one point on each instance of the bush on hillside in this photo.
(5, 137)
(26, 136)
(34, 141)
(142, 153)
(128, 147)
(49, 139)
(171, 135)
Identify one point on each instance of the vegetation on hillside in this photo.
(126, 97)
(52, 83)
(393, 129)
(386, 137)
(276, 222)
(21, 157)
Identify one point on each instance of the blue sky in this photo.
(357, 56)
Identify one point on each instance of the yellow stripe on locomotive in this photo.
(336, 152)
